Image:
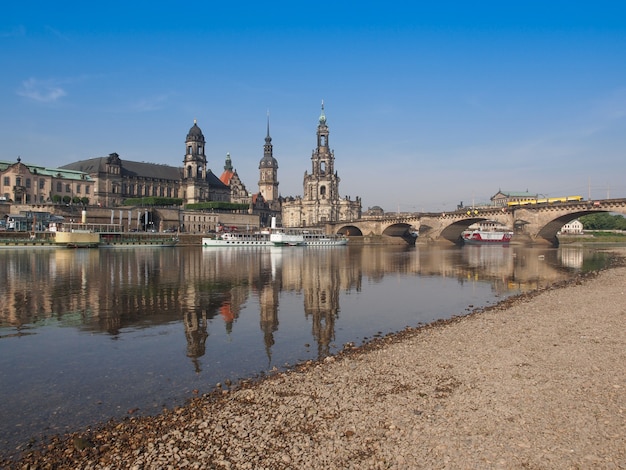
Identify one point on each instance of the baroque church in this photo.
(320, 202)
(115, 180)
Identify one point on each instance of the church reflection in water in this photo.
(111, 290)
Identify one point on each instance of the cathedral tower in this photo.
(320, 202)
(322, 185)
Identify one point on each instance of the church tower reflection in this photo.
(268, 286)
(268, 304)
(196, 333)
(321, 298)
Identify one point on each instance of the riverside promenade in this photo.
(535, 382)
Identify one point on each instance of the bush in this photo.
(153, 201)
(218, 205)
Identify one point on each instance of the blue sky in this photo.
(428, 103)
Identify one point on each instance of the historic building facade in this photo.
(109, 181)
(502, 198)
(238, 191)
(32, 184)
(321, 202)
(117, 180)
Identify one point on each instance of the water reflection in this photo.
(76, 325)
(108, 290)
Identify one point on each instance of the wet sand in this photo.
(535, 382)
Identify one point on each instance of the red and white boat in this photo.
(486, 237)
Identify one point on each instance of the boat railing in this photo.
(89, 228)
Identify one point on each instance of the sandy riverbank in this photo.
(537, 382)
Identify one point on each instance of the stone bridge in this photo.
(537, 223)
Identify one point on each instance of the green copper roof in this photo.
(52, 172)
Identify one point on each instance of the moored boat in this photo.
(287, 237)
(231, 239)
(319, 238)
(126, 240)
(78, 239)
(32, 242)
(275, 236)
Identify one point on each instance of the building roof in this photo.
(195, 134)
(128, 169)
(65, 173)
(227, 176)
(144, 170)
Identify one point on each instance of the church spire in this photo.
(268, 166)
(322, 116)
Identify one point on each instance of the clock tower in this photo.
(268, 169)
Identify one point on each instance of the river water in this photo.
(87, 335)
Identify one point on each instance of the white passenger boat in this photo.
(276, 236)
(233, 239)
(287, 237)
(314, 237)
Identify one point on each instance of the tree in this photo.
(603, 221)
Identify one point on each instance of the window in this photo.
(78, 189)
(18, 181)
(59, 187)
(7, 181)
(68, 189)
(42, 183)
(86, 189)
(28, 183)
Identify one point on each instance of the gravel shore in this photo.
(536, 382)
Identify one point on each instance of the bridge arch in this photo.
(349, 230)
(453, 231)
(549, 231)
(397, 230)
